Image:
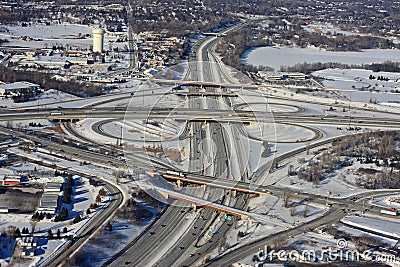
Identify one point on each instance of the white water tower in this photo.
(98, 40)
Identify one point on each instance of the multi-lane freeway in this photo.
(209, 154)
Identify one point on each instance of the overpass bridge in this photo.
(198, 202)
(235, 186)
(223, 94)
(205, 84)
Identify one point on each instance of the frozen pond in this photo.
(276, 57)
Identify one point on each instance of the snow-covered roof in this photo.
(18, 85)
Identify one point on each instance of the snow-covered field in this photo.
(270, 107)
(40, 101)
(356, 85)
(325, 28)
(387, 226)
(46, 36)
(339, 184)
(272, 56)
(278, 132)
(66, 31)
(347, 78)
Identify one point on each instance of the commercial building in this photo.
(10, 180)
(18, 87)
(3, 210)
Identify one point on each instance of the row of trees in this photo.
(50, 234)
(62, 215)
(68, 190)
(363, 242)
(134, 213)
(380, 78)
(15, 232)
(38, 216)
(387, 66)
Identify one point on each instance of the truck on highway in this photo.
(390, 212)
(181, 174)
(56, 113)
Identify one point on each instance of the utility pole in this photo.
(327, 197)
(350, 112)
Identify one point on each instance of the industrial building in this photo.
(281, 76)
(50, 199)
(10, 180)
(3, 210)
(13, 180)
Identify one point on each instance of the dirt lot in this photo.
(24, 200)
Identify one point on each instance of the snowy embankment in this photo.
(374, 224)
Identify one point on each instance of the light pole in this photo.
(327, 197)
(350, 112)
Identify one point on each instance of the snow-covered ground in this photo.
(338, 184)
(54, 98)
(46, 36)
(40, 101)
(347, 78)
(109, 242)
(383, 225)
(355, 232)
(325, 28)
(327, 101)
(270, 107)
(278, 132)
(356, 85)
(272, 207)
(387, 202)
(272, 56)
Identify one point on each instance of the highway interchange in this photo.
(207, 117)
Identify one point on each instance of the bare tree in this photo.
(293, 211)
(290, 169)
(33, 225)
(286, 198)
(305, 212)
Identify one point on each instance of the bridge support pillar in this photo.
(244, 217)
(234, 192)
(165, 195)
(178, 182)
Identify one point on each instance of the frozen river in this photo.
(276, 57)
